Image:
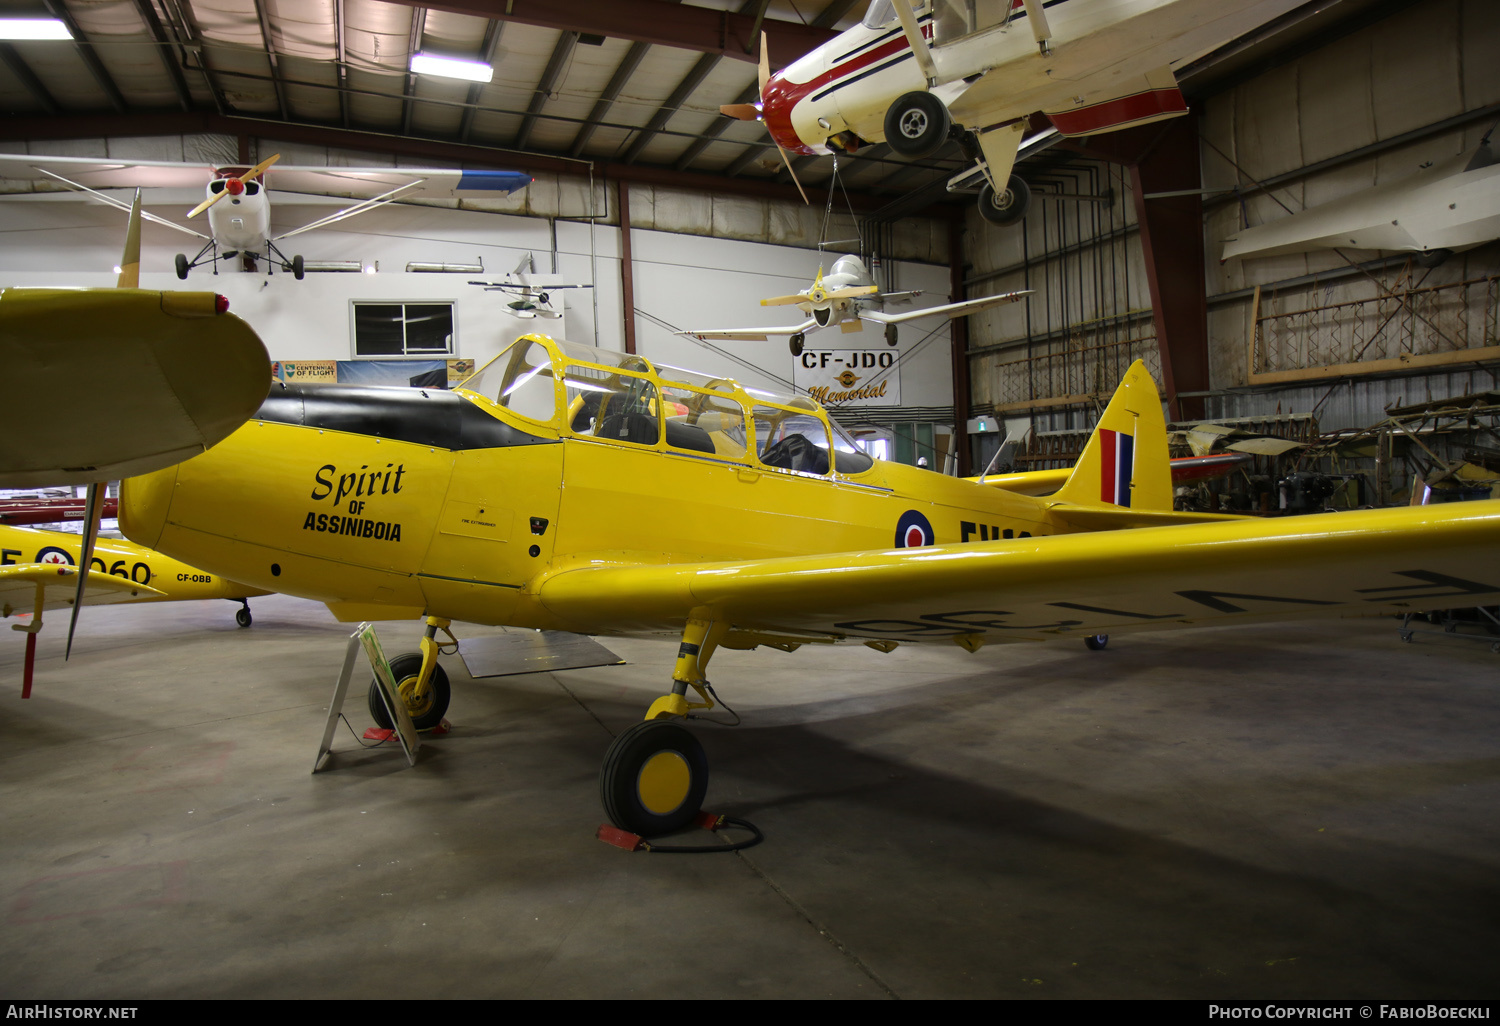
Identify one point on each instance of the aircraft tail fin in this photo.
(1125, 464)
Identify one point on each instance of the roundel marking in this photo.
(53, 554)
(913, 531)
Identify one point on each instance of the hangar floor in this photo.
(1303, 810)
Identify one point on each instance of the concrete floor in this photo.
(1282, 811)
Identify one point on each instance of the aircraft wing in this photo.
(1360, 562)
(18, 584)
(963, 309)
(754, 334)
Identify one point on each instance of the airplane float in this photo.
(847, 297)
(914, 73)
(532, 300)
(533, 496)
(1442, 209)
(32, 562)
(242, 226)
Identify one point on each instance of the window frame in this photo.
(427, 354)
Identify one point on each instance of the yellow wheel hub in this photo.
(663, 783)
(416, 704)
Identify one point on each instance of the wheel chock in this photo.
(379, 734)
(619, 838)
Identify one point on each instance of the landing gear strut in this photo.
(655, 774)
(420, 682)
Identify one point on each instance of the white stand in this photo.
(365, 638)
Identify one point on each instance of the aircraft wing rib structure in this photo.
(1358, 563)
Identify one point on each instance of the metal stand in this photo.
(1451, 624)
(364, 638)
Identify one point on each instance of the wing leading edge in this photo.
(1356, 563)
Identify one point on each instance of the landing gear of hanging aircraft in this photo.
(1096, 642)
(654, 778)
(891, 334)
(1008, 208)
(796, 343)
(298, 268)
(917, 125)
(242, 615)
(182, 266)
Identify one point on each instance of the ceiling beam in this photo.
(165, 51)
(690, 82)
(19, 68)
(59, 10)
(341, 59)
(658, 22)
(487, 47)
(265, 35)
(716, 129)
(414, 45)
(559, 60)
(611, 92)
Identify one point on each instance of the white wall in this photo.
(686, 281)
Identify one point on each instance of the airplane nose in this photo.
(144, 504)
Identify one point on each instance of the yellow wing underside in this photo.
(1357, 563)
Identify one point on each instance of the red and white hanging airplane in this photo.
(914, 73)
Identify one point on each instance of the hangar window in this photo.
(384, 330)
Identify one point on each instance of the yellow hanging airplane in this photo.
(569, 488)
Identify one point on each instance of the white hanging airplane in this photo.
(532, 300)
(914, 73)
(242, 226)
(847, 296)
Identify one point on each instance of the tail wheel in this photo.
(1008, 208)
(1096, 642)
(917, 125)
(426, 711)
(653, 778)
(243, 618)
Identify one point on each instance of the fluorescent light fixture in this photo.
(33, 28)
(451, 67)
(333, 265)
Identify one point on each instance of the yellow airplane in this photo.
(569, 488)
(32, 561)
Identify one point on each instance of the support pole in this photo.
(960, 332)
(627, 268)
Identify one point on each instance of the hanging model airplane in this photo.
(1443, 209)
(532, 300)
(914, 73)
(575, 489)
(847, 297)
(242, 226)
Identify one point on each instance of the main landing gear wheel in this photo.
(182, 266)
(426, 712)
(297, 267)
(1006, 209)
(653, 779)
(917, 125)
(891, 334)
(242, 616)
(796, 343)
(1096, 642)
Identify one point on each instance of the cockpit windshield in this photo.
(623, 399)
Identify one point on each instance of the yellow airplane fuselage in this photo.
(330, 502)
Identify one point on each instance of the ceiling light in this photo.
(33, 28)
(451, 67)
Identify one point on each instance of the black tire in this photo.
(1096, 642)
(1004, 211)
(917, 125)
(891, 334)
(680, 771)
(182, 266)
(796, 343)
(297, 267)
(429, 715)
(242, 616)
